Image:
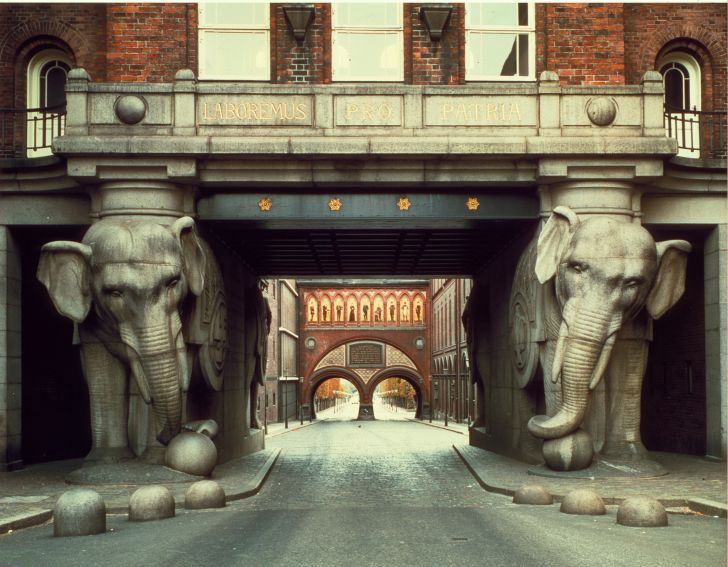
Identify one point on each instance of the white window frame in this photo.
(338, 30)
(530, 30)
(203, 29)
(695, 74)
(35, 66)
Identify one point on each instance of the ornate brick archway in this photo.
(413, 378)
(312, 384)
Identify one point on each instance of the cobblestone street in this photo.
(376, 493)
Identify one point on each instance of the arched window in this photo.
(47, 76)
(681, 79)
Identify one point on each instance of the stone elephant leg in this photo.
(624, 391)
(107, 383)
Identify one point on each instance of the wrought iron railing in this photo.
(29, 132)
(699, 133)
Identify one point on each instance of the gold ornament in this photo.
(404, 204)
(472, 204)
(265, 204)
(335, 204)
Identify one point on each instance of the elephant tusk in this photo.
(601, 364)
(559, 352)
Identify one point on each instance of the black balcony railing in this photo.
(699, 133)
(26, 132)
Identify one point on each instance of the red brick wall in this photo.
(583, 43)
(301, 62)
(700, 29)
(149, 42)
(77, 29)
(430, 62)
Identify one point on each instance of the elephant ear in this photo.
(64, 271)
(193, 255)
(553, 240)
(669, 283)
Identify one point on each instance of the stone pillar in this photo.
(716, 337)
(10, 375)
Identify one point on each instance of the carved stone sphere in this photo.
(153, 502)
(79, 512)
(204, 494)
(191, 453)
(533, 494)
(641, 512)
(583, 502)
(570, 453)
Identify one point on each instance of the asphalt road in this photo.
(383, 493)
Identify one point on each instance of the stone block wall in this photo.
(716, 350)
(10, 353)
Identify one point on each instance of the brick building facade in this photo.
(434, 148)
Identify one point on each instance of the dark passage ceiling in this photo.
(361, 252)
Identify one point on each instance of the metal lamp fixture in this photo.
(299, 16)
(436, 17)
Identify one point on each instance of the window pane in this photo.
(674, 89)
(253, 14)
(362, 56)
(493, 55)
(235, 55)
(497, 14)
(367, 15)
(55, 83)
(523, 55)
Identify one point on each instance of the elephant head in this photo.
(135, 274)
(604, 273)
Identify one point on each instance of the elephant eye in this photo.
(173, 282)
(633, 282)
(114, 292)
(578, 267)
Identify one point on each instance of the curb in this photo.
(30, 519)
(25, 520)
(437, 425)
(292, 429)
(708, 507)
(700, 505)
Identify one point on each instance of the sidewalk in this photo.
(27, 497)
(694, 484)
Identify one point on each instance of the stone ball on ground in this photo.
(534, 494)
(191, 453)
(570, 453)
(151, 502)
(79, 512)
(641, 512)
(204, 494)
(583, 502)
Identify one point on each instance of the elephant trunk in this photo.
(158, 365)
(583, 351)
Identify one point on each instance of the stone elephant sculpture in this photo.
(147, 299)
(257, 322)
(594, 285)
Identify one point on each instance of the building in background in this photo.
(280, 400)
(453, 390)
(365, 332)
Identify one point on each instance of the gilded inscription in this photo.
(263, 111)
(366, 112)
(476, 112)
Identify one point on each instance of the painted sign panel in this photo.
(366, 354)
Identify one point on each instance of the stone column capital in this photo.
(142, 200)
